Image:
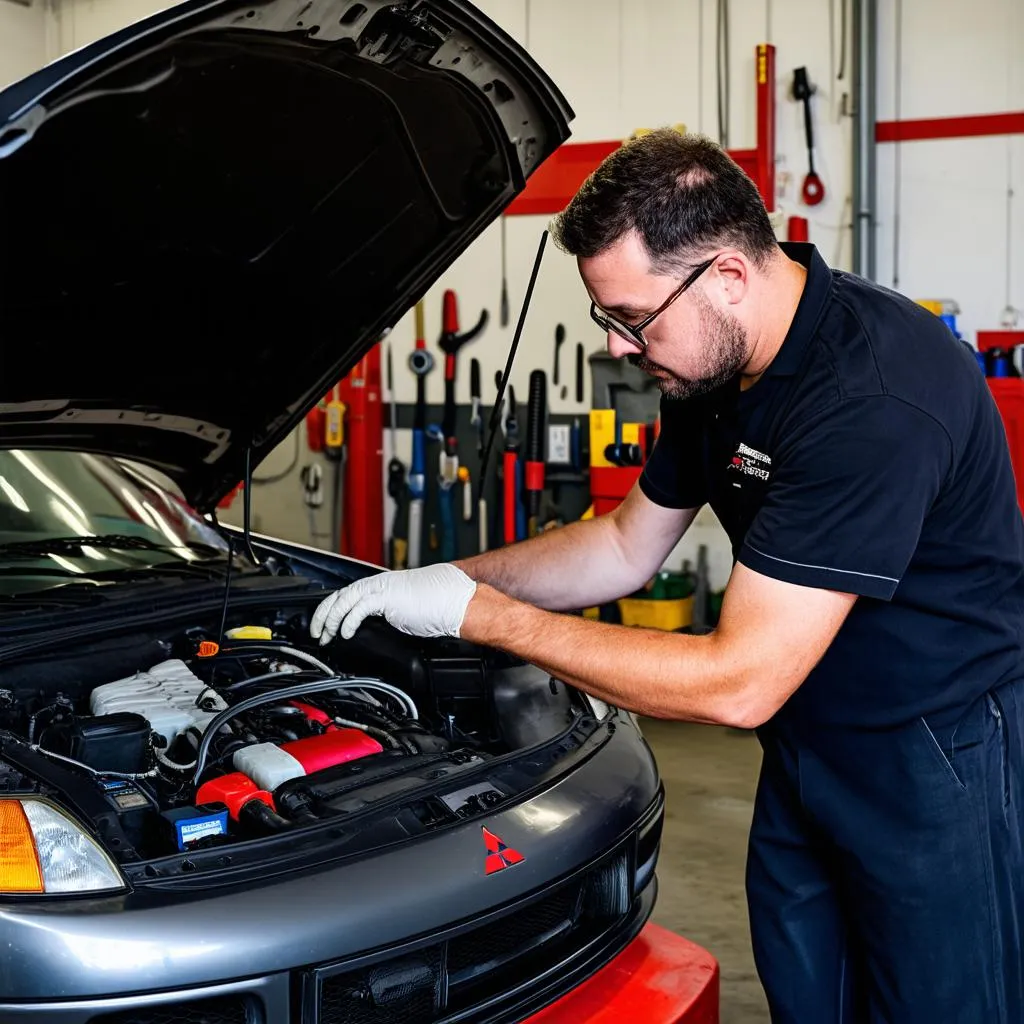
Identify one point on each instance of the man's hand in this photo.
(431, 601)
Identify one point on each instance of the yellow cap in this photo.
(463, 474)
(250, 633)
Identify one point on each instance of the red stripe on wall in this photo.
(950, 127)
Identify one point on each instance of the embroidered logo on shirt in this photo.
(751, 463)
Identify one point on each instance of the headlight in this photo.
(43, 851)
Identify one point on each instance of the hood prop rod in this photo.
(247, 508)
(503, 384)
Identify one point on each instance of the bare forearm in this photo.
(589, 562)
(575, 566)
(654, 673)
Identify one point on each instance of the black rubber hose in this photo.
(257, 813)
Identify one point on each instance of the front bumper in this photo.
(659, 978)
(271, 943)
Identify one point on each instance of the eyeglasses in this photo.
(633, 333)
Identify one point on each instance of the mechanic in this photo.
(871, 630)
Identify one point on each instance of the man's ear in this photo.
(732, 271)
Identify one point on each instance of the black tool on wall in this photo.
(536, 435)
(504, 277)
(813, 189)
(476, 417)
(579, 372)
(396, 483)
(559, 342)
(450, 343)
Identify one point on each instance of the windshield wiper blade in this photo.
(73, 545)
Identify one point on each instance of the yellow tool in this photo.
(334, 427)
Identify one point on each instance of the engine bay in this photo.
(176, 742)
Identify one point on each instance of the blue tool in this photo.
(421, 362)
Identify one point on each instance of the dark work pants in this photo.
(885, 875)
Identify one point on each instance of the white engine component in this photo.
(267, 765)
(166, 696)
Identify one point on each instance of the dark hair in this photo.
(683, 194)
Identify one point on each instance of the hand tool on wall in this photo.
(313, 497)
(510, 477)
(504, 276)
(421, 362)
(579, 372)
(467, 494)
(476, 420)
(450, 343)
(502, 383)
(398, 548)
(559, 342)
(536, 437)
(446, 513)
(334, 449)
(813, 190)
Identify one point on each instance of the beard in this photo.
(723, 345)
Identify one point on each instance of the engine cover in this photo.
(165, 696)
(268, 765)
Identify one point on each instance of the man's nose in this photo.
(618, 347)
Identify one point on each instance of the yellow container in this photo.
(669, 615)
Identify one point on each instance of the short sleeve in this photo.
(847, 498)
(675, 475)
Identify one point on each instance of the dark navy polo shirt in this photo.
(870, 458)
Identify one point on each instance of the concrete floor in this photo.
(710, 775)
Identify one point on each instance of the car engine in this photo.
(204, 742)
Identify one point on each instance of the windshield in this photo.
(49, 499)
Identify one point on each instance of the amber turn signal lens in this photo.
(208, 649)
(19, 863)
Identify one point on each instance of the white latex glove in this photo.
(430, 601)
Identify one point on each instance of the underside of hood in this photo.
(208, 218)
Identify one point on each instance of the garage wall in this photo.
(947, 223)
(23, 39)
(623, 64)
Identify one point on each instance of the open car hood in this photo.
(208, 218)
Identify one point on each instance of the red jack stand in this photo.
(362, 516)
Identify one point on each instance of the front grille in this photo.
(468, 953)
(218, 1010)
(487, 962)
(406, 989)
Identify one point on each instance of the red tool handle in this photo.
(509, 495)
(450, 325)
(451, 313)
(534, 476)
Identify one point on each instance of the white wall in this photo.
(23, 39)
(943, 223)
(84, 21)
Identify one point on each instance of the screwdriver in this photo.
(396, 482)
